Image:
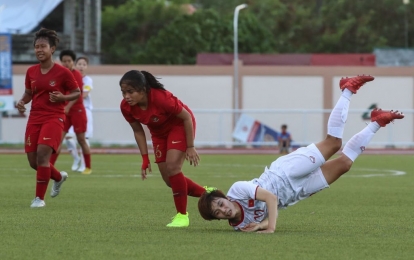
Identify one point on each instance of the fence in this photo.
(215, 127)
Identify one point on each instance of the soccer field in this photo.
(113, 214)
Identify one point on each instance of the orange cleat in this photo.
(383, 117)
(354, 83)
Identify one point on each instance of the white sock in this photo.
(356, 145)
(339, 115)
(71, 145)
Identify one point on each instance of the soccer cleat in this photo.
(57, 184)
(354, 83)
(81, 168)
(87, 171)
(209, 189)
(180, 220)
(38, 203)
(75, 165)
(384, 117)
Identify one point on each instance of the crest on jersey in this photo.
(312, 159)
(362, 148)
(251, 203)
(52, 83)
(155, 119)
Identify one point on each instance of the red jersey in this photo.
(58, 78)
(160, 115)
(79, 102)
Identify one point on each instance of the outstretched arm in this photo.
(268, 225)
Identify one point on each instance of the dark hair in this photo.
(141, 80)
(50, 35)
(284, 126)
(67, 53)
(204, 203)
(82, 58)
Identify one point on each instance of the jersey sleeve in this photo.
(79, 79)
(87, 84)
(27, 82)
(126, 113)
(243, 190)
(172, 104)
(70, 83)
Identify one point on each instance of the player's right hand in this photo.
(145, 165)
(20, 106)
(251, 227)
(56, 96)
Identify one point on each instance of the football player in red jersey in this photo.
(48, 86)
(75, 113)
(172, 127)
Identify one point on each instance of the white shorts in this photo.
(301, 171)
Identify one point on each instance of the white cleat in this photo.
(75, 165)
(81, 168)
(57, 184)
(38, 203)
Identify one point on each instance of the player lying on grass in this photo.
(253, 205)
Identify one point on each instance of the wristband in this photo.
(145, 161)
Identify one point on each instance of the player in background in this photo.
(81, 64)
(48, 86)
(75, 113)
(253, 205)
(172, 126)
(284, 140)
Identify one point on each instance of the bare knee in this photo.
(346, 164)
(173, 168)
(334, 143)
(166, 179)
(33, 165)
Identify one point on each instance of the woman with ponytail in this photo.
(172, 126)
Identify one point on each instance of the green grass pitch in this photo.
(112, 214)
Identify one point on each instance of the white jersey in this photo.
(87, 87)
(291, 178)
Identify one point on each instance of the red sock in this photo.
(179, 189)
(42, 180)
(193, 189)
(53, 158)
(87, 158)
(55, 174)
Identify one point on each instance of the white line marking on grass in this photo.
(384, 174)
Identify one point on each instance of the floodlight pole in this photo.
(406, 2)
(236, 59)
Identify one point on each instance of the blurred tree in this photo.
(127, 28)
(143, 30)
(205, 31)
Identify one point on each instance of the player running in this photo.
(45, 84)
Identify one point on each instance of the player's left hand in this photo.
(251, 227)
(56, 96)
(266, 231)
(192, 156)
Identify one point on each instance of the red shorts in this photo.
(78, 119)
(176, 139)
(49, 133)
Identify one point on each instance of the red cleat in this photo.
(354, 83)
(383, 117)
